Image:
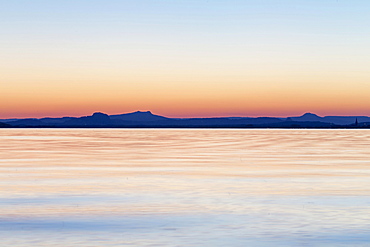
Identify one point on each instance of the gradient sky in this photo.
(183, 58)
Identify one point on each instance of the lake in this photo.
(184, 187)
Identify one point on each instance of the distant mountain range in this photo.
(147, 119)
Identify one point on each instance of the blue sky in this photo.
(305, 50)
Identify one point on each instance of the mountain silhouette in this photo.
(52, 121)
(138, 116)
(307, 117)
(30, 122)
(340, 120)
(146, 119)
(96, 119)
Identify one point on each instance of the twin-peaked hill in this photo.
(149, 120)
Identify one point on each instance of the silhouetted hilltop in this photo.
(97, 119)
(339, 120)
(138, 116)
(147, 119)
(307, 117)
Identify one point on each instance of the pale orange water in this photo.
(184, 187)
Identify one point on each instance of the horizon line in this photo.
(148, 111)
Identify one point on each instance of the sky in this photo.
(184, 58)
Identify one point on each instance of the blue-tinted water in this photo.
(184, 187)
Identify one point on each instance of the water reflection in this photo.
(168, 187)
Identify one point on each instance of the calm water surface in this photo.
(184, 187)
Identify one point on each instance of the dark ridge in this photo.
(146, 119)
(138, 116)
(309, 114)
(27, 123)
(96, 119)
(338, 120)
(4, 125)
(307, 117)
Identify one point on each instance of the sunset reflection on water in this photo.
(184, 187)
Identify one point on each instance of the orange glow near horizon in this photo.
(184, 99)
(190, 96)
(209, 60)
(216, 104)
(210, 92)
